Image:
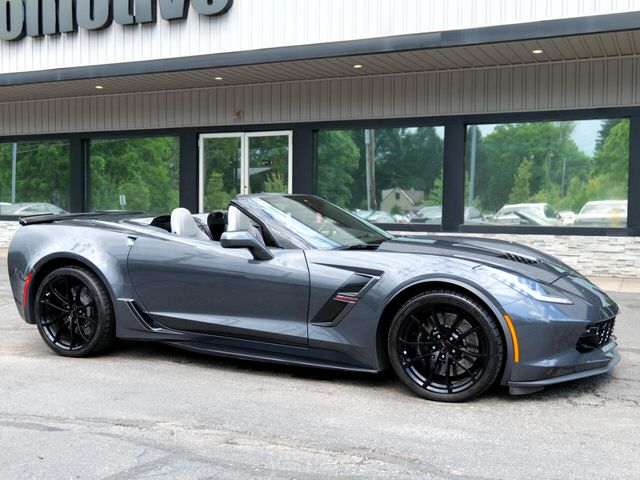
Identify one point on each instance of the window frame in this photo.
(119, 136)
(454, 164)
(430, 122)
(632, 229)
(304, 152)
(45, 138)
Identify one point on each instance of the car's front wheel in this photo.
(73, 312)
(445, 346)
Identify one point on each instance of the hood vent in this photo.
(524, 259)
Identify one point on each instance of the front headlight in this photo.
(525, 286)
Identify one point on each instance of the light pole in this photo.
(472, 174)
(370, 165)
(14, 161)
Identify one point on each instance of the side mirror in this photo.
(243, 239)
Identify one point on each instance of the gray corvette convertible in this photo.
(295, 279)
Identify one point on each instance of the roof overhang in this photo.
(566, 40)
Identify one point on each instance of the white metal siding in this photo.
(570, 85)
(256, 24)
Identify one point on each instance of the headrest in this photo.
(182, 223)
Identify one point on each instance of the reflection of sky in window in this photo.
(584, 134)
(439, 130)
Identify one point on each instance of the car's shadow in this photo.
(577, 390)
(168, 353)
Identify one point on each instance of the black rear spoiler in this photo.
(102, 215)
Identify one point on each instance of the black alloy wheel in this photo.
(445, 346)
(74, 313)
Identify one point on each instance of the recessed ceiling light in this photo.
(218, 78)
(357, 65)
(99, 87)
(537, 51)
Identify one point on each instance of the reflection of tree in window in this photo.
(143, 170)
(42, 173)
(405, 158)
(268, 164)
(222, 171)
(540, 162)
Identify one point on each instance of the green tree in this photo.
(612, 159)
(275, 183)
(42, 172)
(609, 176)
(216, 198)
(145, 170)
(221, 171)
(268, 156)
(409, 158)
(605, 130)
(555, 159)
(521, 190)
(338, 159)
(435, 195)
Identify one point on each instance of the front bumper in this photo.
(560, 343)
(601, 361)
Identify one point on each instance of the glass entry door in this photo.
(241, 163)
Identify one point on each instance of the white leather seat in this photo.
(236, 221)
(183, 224)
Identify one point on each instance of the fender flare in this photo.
(483, 295)
(73, 257)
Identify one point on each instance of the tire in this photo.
(445, 346)
(73, 312)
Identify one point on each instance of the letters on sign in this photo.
(50, 17)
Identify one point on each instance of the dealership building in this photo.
(500, 118)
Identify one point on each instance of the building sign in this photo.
(49, 17)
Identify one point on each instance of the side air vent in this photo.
(143, 317)
(524, 259)
(344, 299)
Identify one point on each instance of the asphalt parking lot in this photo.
(149, 411)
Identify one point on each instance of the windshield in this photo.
(316, 223)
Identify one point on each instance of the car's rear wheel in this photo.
(73, 312)
(445, 346)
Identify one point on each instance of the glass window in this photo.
(388, 175)
(134, 174)
(221, 171)
(268, 163)
(548, 173)
(34, 177)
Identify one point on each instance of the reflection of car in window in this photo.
(527, 214)
(567, 217)
(432, 215)
(604, 213)
(18, 209)
(380, 216)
